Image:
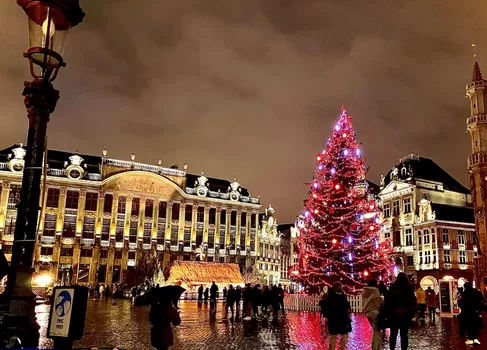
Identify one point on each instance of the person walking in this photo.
(213, 294)
(162, 314)
(200, 294)
(382, 289)
(266, 300)
(337, 311)
(431, 301)
(248, 296)
(206, 294)
(256, 300)
(107, 292)
(371, 303)
(421, 300)
(230, 299)
(275, 301)
(400, 305)
(471, 305)
(281, 297)
(238, 298)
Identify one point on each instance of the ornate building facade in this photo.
(98, 214)
(428, 216)
(477, 165)
(269, 250)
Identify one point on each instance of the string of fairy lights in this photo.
(339, 229)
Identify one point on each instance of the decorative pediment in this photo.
(396, 189)
(142, 182)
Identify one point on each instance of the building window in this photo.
(407, 205)
(446, 236)
(69, 229)
(387, 234)
(243, 219)
(420, 239)
(420, 254)
(426, 236)
(446, 256)
(211, 238)
(134, 211)
(222, 237)
(118, 254)
(52, 198)
(200, 215)
(409, 237)
(410, 260)
(433, 235)
(187, 236)
(175, 211)
(119, 230)
(188, 213)
(463, 257)
(395, 208)
(232, 239)
(212, 216)
(86, 253)
(91, 201)
(253, 221)
(461, 237)
(132, 255)
(89, 228)
(49, 225)
(46, 250)
(233, 218)
(427, 257)
(104, 254)
(474, 238)
(149, 208)
(242, 240)
(121, 205)
(107, 206)
(162, 210)
(223, 217)
(147, 233)
(14, 194)
(72, 199)
(199, 236)
(387, 210)
(105, 230)
(134, 226)
(221, 259)
(174, 234)
(66, 251)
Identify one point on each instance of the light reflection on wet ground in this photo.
(128, 328)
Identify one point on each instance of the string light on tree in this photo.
(339, 234)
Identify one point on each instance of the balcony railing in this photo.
(476, 159)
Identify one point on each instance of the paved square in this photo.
(128, 327)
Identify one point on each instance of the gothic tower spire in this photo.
(477, 161)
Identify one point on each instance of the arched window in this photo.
(426, 236)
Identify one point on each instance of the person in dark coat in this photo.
(238, 298)
(248, 296)
(471, 304)
(382, 288)
(206, 293)
(213, 294)
(230, 299)
(266, 299)
(337, 311)
(400, 306)
(162, 313)
(256, 300)
(200, 294)
(275, 300)
(281, 297)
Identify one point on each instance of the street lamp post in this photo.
(49, 23)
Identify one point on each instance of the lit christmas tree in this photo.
(339, 230)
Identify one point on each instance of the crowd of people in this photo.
(398, 308)
(255, 302)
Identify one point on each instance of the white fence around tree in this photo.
(304, 302)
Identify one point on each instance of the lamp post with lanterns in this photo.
(49, 24)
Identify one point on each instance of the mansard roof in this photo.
(214, 184)
(417, 168)
(445, 212)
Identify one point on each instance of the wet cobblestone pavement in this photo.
(127, 327)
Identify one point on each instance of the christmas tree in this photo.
(339, 231)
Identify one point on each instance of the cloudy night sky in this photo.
(252, 88)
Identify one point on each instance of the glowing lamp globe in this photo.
(366, 273)
(49, 25)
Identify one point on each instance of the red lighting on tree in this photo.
(337, 194)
